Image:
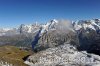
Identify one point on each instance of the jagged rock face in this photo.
(61, 32)
(55, 38)
(63, 55)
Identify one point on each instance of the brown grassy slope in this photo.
(13, 55)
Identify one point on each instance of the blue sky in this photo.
(16, 12)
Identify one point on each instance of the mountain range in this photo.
(83, 32)
(76, 38)
(93, 24)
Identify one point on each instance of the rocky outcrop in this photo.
(63, 55)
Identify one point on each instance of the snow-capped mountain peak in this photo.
(93, 24)
(49, 26)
